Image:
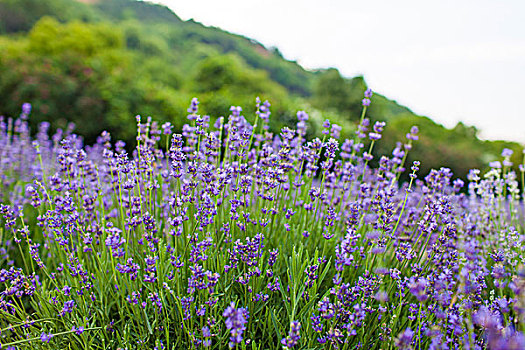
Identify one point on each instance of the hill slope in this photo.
(106, 61)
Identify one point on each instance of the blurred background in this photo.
(455, 69)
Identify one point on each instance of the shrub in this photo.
(228, 235)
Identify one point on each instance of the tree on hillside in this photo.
(21, 15)
(333, 92)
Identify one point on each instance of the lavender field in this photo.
(229, 236)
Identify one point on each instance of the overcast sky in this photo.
(451, 60)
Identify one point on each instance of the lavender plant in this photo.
(228, 236)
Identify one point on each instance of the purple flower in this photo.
(336, 131)
(417, 288)
(458, 184)
(236, 322)
(194, 107)
(366, 102)
(495, 164)
(236, 110)
(381, 296)
(78, 330)
(302, 116)
(293, 337)
(326, 126)
(113, 240)
(374, 136)
(368, 93)
(507, 153)
(379, 126)
(317, 326)
(45, 338)
(404, 339)
(166, 128)
(412, 135)
(206, 334)
(486, 319)
(26, 108)
(68, 307)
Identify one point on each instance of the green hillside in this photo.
(100, 63)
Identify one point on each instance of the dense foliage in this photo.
(99, 64)
(229, 235)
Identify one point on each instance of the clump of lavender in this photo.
(226, 234)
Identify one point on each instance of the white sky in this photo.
(450, 60)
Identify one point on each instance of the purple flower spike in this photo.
(293, 337)
(326, 126)
(412, 135)
(495, 164)
(26, 108)
(336, 131)
(507, 153)
(404, 339)
(45, 338)
(302, 116)
(78, 330)
(236, 322)
(417, 288)
(194, 107)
